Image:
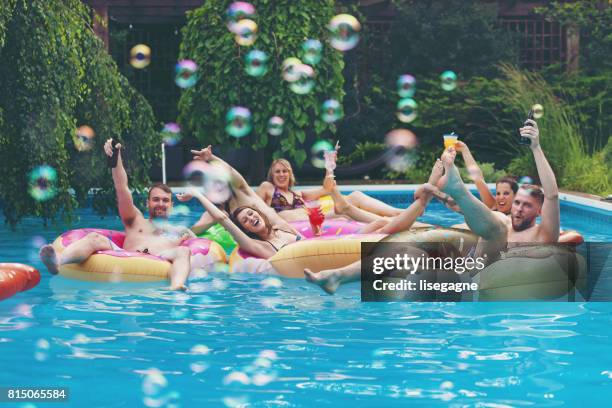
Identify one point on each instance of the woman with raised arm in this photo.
(242, 195)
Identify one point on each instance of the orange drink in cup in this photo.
(450, 140)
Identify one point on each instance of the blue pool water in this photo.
(239, 340)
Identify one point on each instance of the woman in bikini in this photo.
(278, 193)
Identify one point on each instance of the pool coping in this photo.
(568, 197)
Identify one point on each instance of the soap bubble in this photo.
(271, 283)
(275, 125)
(213, 178)
(331, 111)
(401, 157)
(256, 63)
(525, 180)
(41, 351)
(171, 134)
(246, 32)
(83, 138)
(140, 56)
(538, 111)
(305, 79)
(407, 110)
(42, 181)
(289, 69)
(448, 80)
(312, 51)
(344, 30)
(401, 138)
(237, 11)
(236, 376)
(238, 121)
(186, 74)
(318, 153)
(406, 85)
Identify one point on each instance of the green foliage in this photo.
(283, 26)
(560, 136)
(429, 37)
(594, 20)
(55, 77)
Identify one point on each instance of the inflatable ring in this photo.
(126, 266)
(16, 277)
(220, 235)
(331, 227)
(316, 254)
(534, 272)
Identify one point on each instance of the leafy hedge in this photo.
(56, 76)
(283, 26)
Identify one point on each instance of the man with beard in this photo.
(141, 235)
(495, 229)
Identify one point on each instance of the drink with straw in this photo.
(315, 216)
(450, 140)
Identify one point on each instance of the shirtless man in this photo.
(495, 229)
(141, 235)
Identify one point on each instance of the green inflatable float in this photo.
(219, 235)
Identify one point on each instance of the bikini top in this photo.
(280, 203)
(297, 238)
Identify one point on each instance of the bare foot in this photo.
(327, 280)
(49, 258)
(454, 185)
(436, 172)
(340, 204)
(182, 288)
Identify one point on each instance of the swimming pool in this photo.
(241, 339)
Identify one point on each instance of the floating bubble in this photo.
(236, 401)
(275, 125)
(271, 283)
(213, 178)
(237, 11)
(402, 160)
(237, 376)
(448, 80)
(406, 110)
(261, 379)
(181, 210)
(37, 241)
(238, 121)
(525, 180)
(186, 73)
(198, 367)
(269, 354)
(83, 138)
(171, 134)
(305, 79)
(344, 30)
(318, 153)
(256, 63)
(154, 387)
(538, 111)
(140, 56)
(406, 86)
(331, 111)
(200, 350)
(289, 69)
(246, 32)
(313, 50)
(42, 183)
(401, 138)
(41, 351)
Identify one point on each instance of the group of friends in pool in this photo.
(259, 220)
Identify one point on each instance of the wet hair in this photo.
(287, 165)
(534, 191)
(234, 218)
(511, 181)
(161, 186)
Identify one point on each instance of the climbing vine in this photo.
(56, 75)
(282, 27)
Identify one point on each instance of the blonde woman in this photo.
(277, 191)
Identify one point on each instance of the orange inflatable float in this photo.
(16, 277)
